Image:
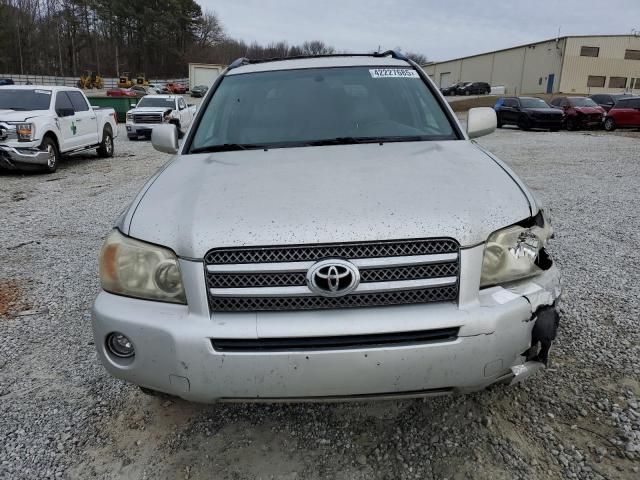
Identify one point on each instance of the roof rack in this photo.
(247, 61)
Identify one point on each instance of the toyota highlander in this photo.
(327, 230)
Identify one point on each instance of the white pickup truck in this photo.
(153, 110)
(38, 124)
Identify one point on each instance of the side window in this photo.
(555, 102)
(78, 101)
(597, 98)
(63, 101)
(564, 102)
(635, 103)
(622, 104)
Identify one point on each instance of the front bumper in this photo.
(140, 129)
(14, 157)
(174, 352)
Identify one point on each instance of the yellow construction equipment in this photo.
(125, 81)
(141, 80)
(90, 80)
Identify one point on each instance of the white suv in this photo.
(327, 231)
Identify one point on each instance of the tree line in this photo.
(155, 37)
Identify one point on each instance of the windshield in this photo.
(582, 102)
(533, 103)
(310, 106)
(20, 99)
(156, 102)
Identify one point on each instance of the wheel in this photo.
(609, 124)
(105, 150)
(467, 93)
(48, 144)
(487, 92)
(571, 124)
(524, 123)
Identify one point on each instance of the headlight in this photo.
(138, 269)
(512, 253)
(24, 131)
(129, 117)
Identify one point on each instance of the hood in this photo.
(544, 110)
(589, 110)
(151, 109)
(19, 116)
(339, 193)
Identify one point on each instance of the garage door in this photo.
(445, 79)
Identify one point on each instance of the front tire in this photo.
(571, 124)
(467, 93)
(609, 124)
(524, 123)
(49, 145)
(105, 150)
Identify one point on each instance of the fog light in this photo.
(120, 345)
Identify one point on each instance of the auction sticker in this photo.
(393, 73)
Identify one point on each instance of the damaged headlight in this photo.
(514, 253)
(138, 269)
(24, 131)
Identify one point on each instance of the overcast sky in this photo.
(440, 29)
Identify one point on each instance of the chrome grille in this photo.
(244, 304)
(147, 118)
(318, 252)
(274, 278)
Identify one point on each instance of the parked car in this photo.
(222, 280)
(528, 113)
(474, 88)
(175, 88)
(155, 88)
(624, 114)
(579, 112)
(154, 110)
(451, 89)
(39, 123)
(135, 91)
(199, 91)
(608, 100)
(6, 81)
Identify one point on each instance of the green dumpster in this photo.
(120, 104)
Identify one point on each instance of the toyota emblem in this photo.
(333, 278)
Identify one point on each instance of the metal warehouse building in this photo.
(579, 64)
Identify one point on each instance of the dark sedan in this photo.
(451, 89)
(528, 113)
(474, 88)
(199, 91)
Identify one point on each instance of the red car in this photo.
(579, 112)
(135, 91)
(624, 114)
(175, 88)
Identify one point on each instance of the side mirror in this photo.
(164, 138)
(481, 121)
(65, 112)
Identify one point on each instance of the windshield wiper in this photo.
(358, 140)
(227, 147)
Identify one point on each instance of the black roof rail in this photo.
(247, 61)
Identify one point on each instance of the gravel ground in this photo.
(62, 416)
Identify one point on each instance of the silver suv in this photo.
(327, 230)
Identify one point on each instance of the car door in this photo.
(509, 111)
(85, 117)
(623, 113)
(634, 113)
(66, 121)
(185, 113)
